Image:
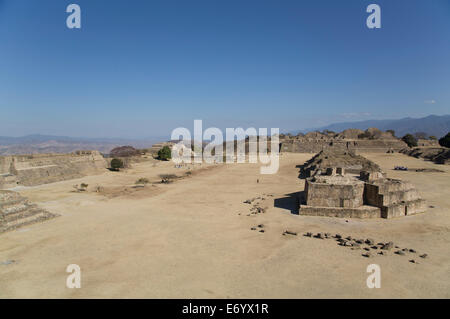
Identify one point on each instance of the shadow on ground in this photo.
(290, 202)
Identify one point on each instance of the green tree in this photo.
(445, 141)
(410, 140)
(116, 164)
(165, 153)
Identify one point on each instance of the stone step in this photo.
(22, 214)
(14, 209)
(13, 202)
(37, 216)
(27, 220)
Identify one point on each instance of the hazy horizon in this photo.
(162, 137)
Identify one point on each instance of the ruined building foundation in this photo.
(334, 193)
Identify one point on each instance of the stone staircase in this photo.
(16, 211)
(394, 197)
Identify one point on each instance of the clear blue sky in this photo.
(141, 68)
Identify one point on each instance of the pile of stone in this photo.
(369, 245)
(256, 205)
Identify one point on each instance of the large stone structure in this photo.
(371, 140)
(333, 192)
(16, 211)
(331, 159)
(36, 169)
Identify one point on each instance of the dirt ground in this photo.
(192, 238)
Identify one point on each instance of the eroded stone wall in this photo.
(36, 169)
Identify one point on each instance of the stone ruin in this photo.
(333, 159)
(37, 169)
(16, 211)
(371, 140)
(351, 186)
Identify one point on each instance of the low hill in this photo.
(34, 144)
(432, 125)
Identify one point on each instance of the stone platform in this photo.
(358, 212)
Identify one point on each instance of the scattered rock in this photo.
(338, 236)
(308, 234)
(388, 246)
(262, 231)
(320, 236)
(288, 232)
(248, 201)
(370, 241)
(400, 252)
(8, 262)
(424, 256)
(367, 255)
(374, 247)
(412, 251)
(260, 226)
(253, 228)
(366, 248)
(413, 261)
(327, 235)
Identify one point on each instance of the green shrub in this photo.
(410, 140)
(445, 141)
(165, 153)
(116, 164)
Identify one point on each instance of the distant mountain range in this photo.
(32, 144)
(432, 125)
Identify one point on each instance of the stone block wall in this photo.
(334, 195)
(36, 169)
